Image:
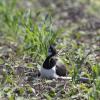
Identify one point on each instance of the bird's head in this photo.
(52, 51)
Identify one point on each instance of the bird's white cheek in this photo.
(49, 53)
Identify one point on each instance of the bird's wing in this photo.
(61, 69)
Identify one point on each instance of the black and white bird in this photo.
(52, 67)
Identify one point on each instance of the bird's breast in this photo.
(48, 73)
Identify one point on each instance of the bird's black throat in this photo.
(49, 62)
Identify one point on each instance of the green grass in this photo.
(38, 38)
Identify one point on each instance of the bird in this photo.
(52, 67)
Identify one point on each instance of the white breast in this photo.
(48, 73)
